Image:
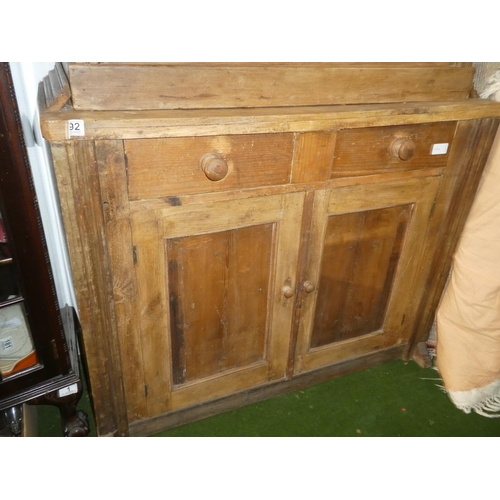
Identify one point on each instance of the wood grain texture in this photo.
(219, 294)
(135, 87)
(79, 188)
(302, 277)
(286, 272)
(351, 348)
(170, 167)
(361, 252)
(177, 220)
(113, 181)
(347, 204)
(212, 122)
(208, 324)
(241, 194)
(152, 309)
(360, 151)
(221, 385)
(313, 156)
(422, 193)
(455, 197)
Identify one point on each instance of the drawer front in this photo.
(385, 149)
(189, 165)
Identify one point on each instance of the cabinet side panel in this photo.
(473, 140)
(79, 189)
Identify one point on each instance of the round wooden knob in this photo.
(288, 292)
(404, 148)
(309, 286)
(214, 166)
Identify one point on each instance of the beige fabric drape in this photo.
(468, 318)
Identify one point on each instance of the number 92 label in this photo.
(76, 128)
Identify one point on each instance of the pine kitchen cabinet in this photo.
(242, 230)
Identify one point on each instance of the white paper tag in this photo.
(71, 389)
(440, 149)
(6, 345)
(76, 127)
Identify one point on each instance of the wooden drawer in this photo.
(386, 149)
(173, 166)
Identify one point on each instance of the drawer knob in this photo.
(404, 148)
(288, 292)
(309, 286)
(214, 166)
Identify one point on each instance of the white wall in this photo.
(26, 76)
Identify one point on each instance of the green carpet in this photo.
(393, 399)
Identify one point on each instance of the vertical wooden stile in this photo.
(78, 183)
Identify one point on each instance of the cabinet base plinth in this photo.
(267, 391)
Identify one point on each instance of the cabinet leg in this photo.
(75, 422)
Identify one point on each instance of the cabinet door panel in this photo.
(214, 319)
(360, 255)
(218, 296)
(366, 246)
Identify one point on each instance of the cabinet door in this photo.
(213, 315)
(363, 269)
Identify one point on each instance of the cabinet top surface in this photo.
(150, 100)
(202, 122)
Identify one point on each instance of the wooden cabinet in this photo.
(225, 256)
